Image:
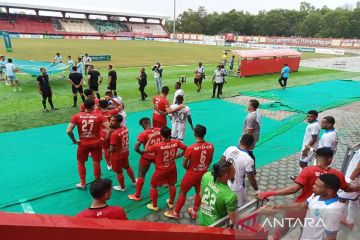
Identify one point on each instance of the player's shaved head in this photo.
(200, 131)
(324, 154)
(165, 90)
(103, 103)
(330, 181)
(166, 132)
(247, 140)
(144, 120)
(88, 92)
(100, 187)
(89, 104)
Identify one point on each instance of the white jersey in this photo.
(87, 60)
(321, 217)
(122, 112)
(177, 93)
(352, 166)
(179, 118)
(312, 129)
(219, 76)
(329, 139)
(243, 164)
(200, 70)
(58, 59)
(10, 69)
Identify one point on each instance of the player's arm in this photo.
(190, 122)
(106, 125)
(183, 147)
(157, 133)
(213, 78)
(293, 188)
(169, 110)
(293, 206)
(81, 81)
(100, 79)
(109, 79)
(71, 82)
(356, 173)
(309, 145)
(137, 148)
(252, 180)
(70, 133)
(38, 86)
(186, 162)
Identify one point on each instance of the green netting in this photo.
(319, 96)
(33, 67)
(39, 166)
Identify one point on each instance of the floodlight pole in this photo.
(174, 29)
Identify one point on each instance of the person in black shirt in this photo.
(142, 80)
(94, 79)
(112, 76)
(76, 81)
(45, 89)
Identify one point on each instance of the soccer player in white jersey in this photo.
(311, 139)
(178, 119)
(120, 101)
(352, 176)
(323, 208)
(329, 138)
(70, 63)
(178, 91)
(244, 166)
(58, 58)
(11, 75)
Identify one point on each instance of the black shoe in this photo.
(212, 96)
(74, 106)
(54, 109)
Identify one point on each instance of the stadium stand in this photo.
(26, 24)
(147, 29)
(109, 27)
(77, 26)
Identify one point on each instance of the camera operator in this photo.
(158, 71)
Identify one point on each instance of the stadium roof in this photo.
(81, 11)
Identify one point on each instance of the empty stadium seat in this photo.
(77, 26)
(27, 24)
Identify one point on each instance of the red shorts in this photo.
(161, 176)
(119, 163)
(145, 162)
(191, 179)
(159, 123)
(84, 150)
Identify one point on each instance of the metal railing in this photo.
(350, 151)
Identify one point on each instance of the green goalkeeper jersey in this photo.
(216, 201)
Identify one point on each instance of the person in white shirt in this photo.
(158, 74)
(3, 70)
(87, 62)
(178, 119)
(329, 138)
(178, 91)
(11, 75)
(244, 165)
(199, 76)
(323, 208)
(58, 58)
(218, 81)
(252, 122)
(352, 176)
(311, 139)
(70, 63)
(120, 101)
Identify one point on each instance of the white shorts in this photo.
(307, 158)
(11, 78)
(241, 197)
(178, 132)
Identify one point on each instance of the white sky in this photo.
(165, 7)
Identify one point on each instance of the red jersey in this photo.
(160, 103)
(120, 139)
(200, 155)
(308, 177)
(109, 212)
(144, 138)
(88, 125)
(166, 153)
(107, 114)
(82, 106)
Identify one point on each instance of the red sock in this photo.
(154, 196)
(82, 172)
(197, 202)
(120, 178)
(139, 186)
(130, 172)
(107, 157)
(180, 203)
(97, 170)
(172, 193)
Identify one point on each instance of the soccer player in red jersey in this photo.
(162, 108)
(165, 167)
(305, 181)
(197, 159)
(101, 190)
(88, 125)
(89, 94)
(103, 110)
(119, 151)
(146, 158)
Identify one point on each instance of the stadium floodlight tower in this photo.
(174, 20)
